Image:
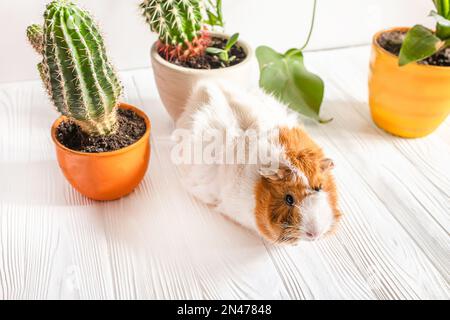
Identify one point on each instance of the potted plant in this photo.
(187, 52)
(102, 145)
(409, 81)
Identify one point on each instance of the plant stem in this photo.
(312, 26)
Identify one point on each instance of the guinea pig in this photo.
(289, 198)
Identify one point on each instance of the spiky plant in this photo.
(34, 34)
(75, 70)
(179, 25)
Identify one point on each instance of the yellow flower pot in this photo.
(410, 101)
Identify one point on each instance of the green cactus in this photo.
(75, 69)
(35, 34)
(179, 25)
(175, 21)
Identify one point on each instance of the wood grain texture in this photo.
(159, 243)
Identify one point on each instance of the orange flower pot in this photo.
(108, 175)
(410, 101)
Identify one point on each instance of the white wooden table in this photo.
(160, 243)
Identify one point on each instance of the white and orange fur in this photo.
(255, 195)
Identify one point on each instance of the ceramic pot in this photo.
(107, 175)
(410, 101)
(176, 83)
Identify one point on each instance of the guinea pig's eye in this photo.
(289, 200)
(319, 188)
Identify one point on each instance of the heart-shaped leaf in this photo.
(286, 77)
(419, 43)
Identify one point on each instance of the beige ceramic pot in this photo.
(176, 83)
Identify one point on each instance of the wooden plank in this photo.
(29, 238)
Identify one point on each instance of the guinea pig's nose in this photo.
(311, 235)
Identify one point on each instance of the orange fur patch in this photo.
(277, 221)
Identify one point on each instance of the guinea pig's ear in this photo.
(274, 174)
(326, 165)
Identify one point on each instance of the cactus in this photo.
(75, 70)
(35, 34)
(179, 25)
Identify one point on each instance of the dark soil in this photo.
(131, 128)
(210, 61)
(392, 42)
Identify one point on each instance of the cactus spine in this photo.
(35, 34)
(75, 70)
(179, 24)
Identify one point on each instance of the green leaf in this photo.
(419, 43)
(443, 32)
(214, 18)
(285, 76)
(224, 56)
(232, 41)
(443, 7)
(440, 19)
(443, 26)
(214, 50)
